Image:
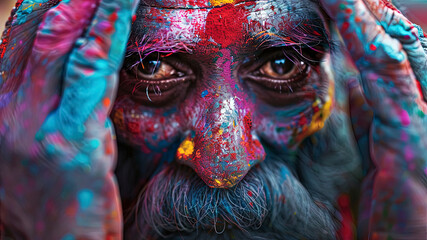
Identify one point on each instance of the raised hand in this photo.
(388, 51)
(56, 142)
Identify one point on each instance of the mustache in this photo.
(269, 203)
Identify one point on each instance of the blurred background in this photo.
(415, 10)
(5, 7)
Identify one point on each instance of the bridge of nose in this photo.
(223, 147)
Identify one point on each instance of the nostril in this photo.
(225, 182)
(219, 171)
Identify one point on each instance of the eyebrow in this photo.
(146, 46)
(308, 31)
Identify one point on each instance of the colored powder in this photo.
(225, 25)
(220, 2)
(404, 118)
(204, 93)
(85, 198)
(69, 236)
(186, 148)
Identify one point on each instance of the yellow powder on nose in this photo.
(186, 148)
(220, 2)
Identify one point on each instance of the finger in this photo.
(399, 27)
(392, 20)
(17, 39)
(358, 28)
(56, 36)
(39, 82)
(92, 71)
(90, 84)
(423, 38)
(387, 77)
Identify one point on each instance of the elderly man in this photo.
(233, 120)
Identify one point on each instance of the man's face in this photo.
(221, 87)
(223, 83)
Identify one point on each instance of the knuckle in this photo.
(383, 50)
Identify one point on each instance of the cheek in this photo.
(287, 127)
(153, 130)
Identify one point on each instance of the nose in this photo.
(222, 147)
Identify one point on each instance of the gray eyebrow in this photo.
(307, 31)
(146, 45)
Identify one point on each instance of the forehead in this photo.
(189, 3)
(223, 22)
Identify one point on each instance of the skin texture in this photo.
(222, 151)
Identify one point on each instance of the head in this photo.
(217, 95)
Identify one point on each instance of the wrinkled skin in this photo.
(217, 143)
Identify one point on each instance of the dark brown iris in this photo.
(155, 80)
(281, 66)
(149, 66)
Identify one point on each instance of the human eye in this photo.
(156, 80)
(278, 73)
(281, 68)
(156, 69)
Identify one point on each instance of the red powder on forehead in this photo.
(225, 25)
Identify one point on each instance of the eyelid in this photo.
(302, 72)
(134, 57)
(172, 60)
(260, 58)
(267, 71)
(163, 69)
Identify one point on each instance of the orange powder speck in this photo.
(106, 102)
(186, 148)
(220, 2)
(109, 149)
